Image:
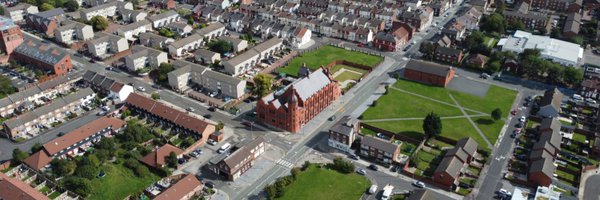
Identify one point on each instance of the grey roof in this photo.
(222, 77)
(551, 123)
(268, 44)
(135, 25)
(153, 37)
(203, 53)
(98, 79)
(20, 6)
(554, 138)
(468, 144)
(107, 84)
(59, 80)
(378, 143)
(234, 41)
(41, 52)
(187, 40)
(448, 51)
(457, 152)
(160, 16)
(428, 67)
(239, 156)
(539, 154)
(100, 7)
(50, 13)
(344, 126)
(210, 28)
(424, 194)
(310, 85)
(101, 37)
(552, 97)
(544, 165)
(241, 58)
(451, 165)
(141, 51)
(89, 75)
(178, 25)
(55, 105)
(385, 36)
(70, 24)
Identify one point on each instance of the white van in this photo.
(224, 148)
(373, 189)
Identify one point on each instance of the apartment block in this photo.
(187, 73)
(106, 10)
(245, 61)
(72, 31)
(143, 57)
(380, 150)
(106, 44)
(132, 30)
(18, 12)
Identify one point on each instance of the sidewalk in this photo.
(583, 181)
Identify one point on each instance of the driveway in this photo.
(590, 57)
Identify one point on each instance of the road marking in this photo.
(285, 163)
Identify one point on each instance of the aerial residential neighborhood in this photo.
(300, 99)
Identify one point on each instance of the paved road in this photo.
(592, 188)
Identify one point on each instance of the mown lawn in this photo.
(490, 128)
(322, 183)
(397, 104)
(119, 182)
(347, 76)
(325, 55)
(338, 67)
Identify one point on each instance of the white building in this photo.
(238, 44)
(106, 44)
(565, 53)
(120, 91)
(187, 44)
(154, 41)
(17, 13)
(106, 10)
(132, 30)
(163, 19)
(143, 57)
(245, 61)
(180, 28)
(212, 31)
(131, 16)
(72, 31)
(187, 73)
(301, 37)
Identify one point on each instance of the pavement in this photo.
(592, 188)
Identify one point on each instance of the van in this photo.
(590, 101)
(578, 97)
(224, 148)
(372, 189)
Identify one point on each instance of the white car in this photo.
(372, 189)
(503, 191)
(361, 171)
(419, 184)
(522, 119)
(141, 89)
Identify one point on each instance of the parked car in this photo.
(209, 184)
(522, 119)
(372, 189)
(190, 109)
(61, 134)
(332, 118)
(373, 167)
(212, 109)
(141, 89)
(519, 125)
(503, 191)
(211, 141)
(513, 112)
(360, 45)
(207, 116)
(101, 113)
(361, 171)
(353, 156)
(484, 76)
(419, 184)
(513, 135)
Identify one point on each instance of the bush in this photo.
(131, 163)
(141, 171)
(305, 165)
(295, 172)
(342, 165)
(86, 171)
(271, 191)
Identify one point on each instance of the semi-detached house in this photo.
(163, 19)
(18, 12)
(42, 117)
(106, 44)
(132, 30)
(71, 31)
(75, 143)
(106, 10)
(142, 57)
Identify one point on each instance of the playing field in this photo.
(323, 183)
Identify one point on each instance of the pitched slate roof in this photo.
(315, 81)
(238, 157)
(380, 144)
(424, 194)
(161, 16)
(552, 124)
(210, 28)
(344, 126)
(451, 165)
(552, 97)
(468, 144)
(457, 152)
(41, 52)
(544, 165)
(79, 134)
(180, 189)
(428, 67)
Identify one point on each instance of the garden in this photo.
(405, 104)
(325, 55)
(320, 181)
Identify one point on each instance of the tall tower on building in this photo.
(11, 35)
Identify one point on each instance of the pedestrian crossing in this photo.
(285, 163)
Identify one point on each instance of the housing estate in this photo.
(163, 19)
(114, 90)
(130, 31)
(76, 142)
(451, 167)
(292, 107)
(26, 124)
(245, 61)
(154, 41)
(143, 57)
(19, 12)
(106, 10)
(187, 73)
(106, 44)
(550, 103)
(71, 31)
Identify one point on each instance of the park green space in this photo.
(323, 183)
(347, 76)
(119, 183)
(325, 55)
(397, 104)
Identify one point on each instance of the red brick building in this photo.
(300, 102)
(232, 166)
(428, 72)
(391, 41)
(11, 35)
(45, 22)
(52, 60)
(166, 4)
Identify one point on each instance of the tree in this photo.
(78, 185)
(6, 87)
(494, 66)
(432, 125)
(99, 23)
(555, 33)
(493, 23)
(19, 155)
(166, 32)
(62, 167)
(46, 6)
(155, 96)
(220, 125)
(102, 155)
(271, 191)
(573, 76)
(342, 165)
(163, 70)
(172, 160)
(516, 25)
(36, 147)
(577, 39)
(94, 160)
(555, 73)
(141, 171)
(107, 144)
(496, 114)
(295, 172)
(1, 10)
(87, 171)
(71, 5)
(263, 84)
(220, 46)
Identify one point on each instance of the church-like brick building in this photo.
(296, 105)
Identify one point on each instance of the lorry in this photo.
(387, 192)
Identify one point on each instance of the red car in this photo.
(513, 112)
(360, 45)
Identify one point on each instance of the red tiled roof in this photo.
(165, 112)
(179, 190)
(140, 101)
(38, 160)
(116, 87)
(193, 123)
(157, 158)
(81, 133)
(13, 189)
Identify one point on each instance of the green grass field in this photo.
(347, 76)
(119, 182)
(338, 67)
(325, 55)
(397, 104)
(322, 183)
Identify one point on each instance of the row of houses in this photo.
(196, 40)
(109, 87)
(544, 152)
(22, 126)
(248, 59)
(455, 161)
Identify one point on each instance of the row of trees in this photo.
(534, 66)
(70, 5)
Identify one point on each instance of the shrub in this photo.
(295, 172)
(271, 191)
(141, 171)
(306, 165)
(342, 165)
(131, 163)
